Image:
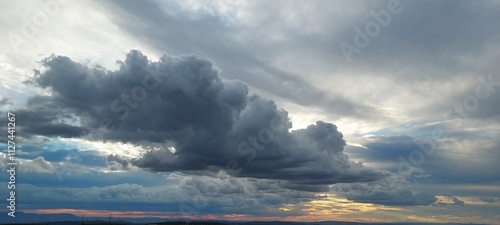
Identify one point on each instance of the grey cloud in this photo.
(37, 165)
(428, 38)
(478, 101)
(114, 193)
(221, 194)
(473, 97)
(451, 40)
(446, 52)
(394, 190)
(385, 148)
(459, 155)
(117, 163)
(488, 200)
(210, 121)
(447, 166)
(5, 101)
(234, 193)
(43, 120)
(399, 198)
(455, 200)
(458, 201)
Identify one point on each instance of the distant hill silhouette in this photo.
(69, 219)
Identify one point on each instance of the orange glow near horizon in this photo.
(334, 208)
(152, 214)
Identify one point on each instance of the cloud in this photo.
(114, 193)
(394, 190)
(256, 70)
(40, 119)
(37, 165)
(450, 201)
(117, 162)
(209, 123)
(458, 201)
(450, 151)
(221, 194)
(384, 150)
(406, 197)
(488, 200)
(5, 101)
(277, 42)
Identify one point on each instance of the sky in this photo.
(360, 111)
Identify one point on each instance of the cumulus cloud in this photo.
(37, 165)
(209, 123)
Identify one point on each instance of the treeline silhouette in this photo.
(185, 223)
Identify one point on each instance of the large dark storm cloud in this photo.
(208, 123)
